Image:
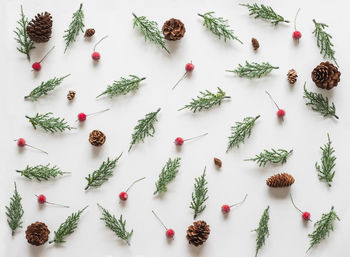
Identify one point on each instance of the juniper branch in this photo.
(264, 12)
(271, 156)
(14, 211)
(199, 196)
(263, 230)
(168, 173)
(25, 43)
(253, 70)
(75, 27)
(49, 123)
(325, 171)
(41, 172)
(123, 86)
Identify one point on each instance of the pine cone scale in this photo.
(198, 233)
(97, 138)
(173, 29)
(280, 180)
(326, 75)
(40, 28)
(37, 233)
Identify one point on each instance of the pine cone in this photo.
(255, 44)
(280, 180)
(89, 32)
(71, 95)
(97, 138)
(37, 233)
(292, 76)
(40, 28)
(198, 233)
(218, 162)
(173, 29)
(326, 75)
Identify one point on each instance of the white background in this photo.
(125, 52)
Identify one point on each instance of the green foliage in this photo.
(263, 230)
(271, 156)
(149, 29)
(98, 177)
(25, 43)
(199, 196)
(326, 172)
(168, 173)
(241, 131)
(218, 26)
(48, 123)
(123, 86)
(116, 225)
(323, 227)
(206, 100)
(264, 12)
(67, 227)
(44, 88)
(76, 25)
(324, 41)
(144, 128)
(319, 103)
(15, 212)
(253, 70)
(41, 172)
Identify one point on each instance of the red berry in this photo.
(189, 67)
(41, 199)
(81, 116)
(281, 113)
(21, 142)
(179, 141)
(170, 233)
(123, 196)
(306, 215)
(225, 208)
(96, 56)
(296, 35)
(36, 66)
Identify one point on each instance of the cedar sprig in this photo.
(168, 173)
(199, 196)
(44, 88)
(264, 12)
(149, 29)
(116, 225)
(323, 227)
(49, 123)
(75, 27)
(319, 103)
(25, 43)
(241, 131)
(41, 172)
(271, 156)
(206, 100)
(14, 211)
(123, 86)
(218, 26)
(144, 128)
(98, 177)
(324, 41)
(325, 170)
(253, 69)
(262, 230)
(67, 227)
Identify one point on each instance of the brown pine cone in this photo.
(292, 76)
(218, 162)
(280, 180)
(198, 233)
(71, 95)
(97, 138)
(89, 32)
(40, 28)
(173, 29)
(255, 44)
(326, 75)
(37, 233)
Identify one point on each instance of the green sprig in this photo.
(14, 211)
(264, 12)
(41, 172)
(122, 86)
(325, 171)
(271, 156)
(168, 173)
(253, 70)
(49, 123)
(199, 196)
(262, 230)
(75, 27)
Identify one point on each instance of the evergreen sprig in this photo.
(122, 86)
(206, 100)
(144, 128)
(116, 225)
(324, 41)
(67, 227)
(76, 25)
(49, 123)
(41, 172)
(323, 227)
(14, 211)
(199, 196)
(44, 88)
(218, 26)
(149, 29)
(319, 103)
(264, 12)
(253, 70)
(98, 177)
(325, 171)
(25, 43)
(262, 230)
(271, 156)
(168, 173)
(241, 131)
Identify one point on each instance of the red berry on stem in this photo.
(36, 66)
(306, 215)
(41, 199)
(123, 196)
(96, 56)
(189, 66)
(81, 116)
(281, 113)
(170, 233)
(225, 209)
(21, 142)
(179, 141)
(296, 35)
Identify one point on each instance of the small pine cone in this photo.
(217, 162)
(40, 28)
(198, 233)
(292, 76)
(71, 95)
(280, 180)
(89, 32)
(255, 44)
(326, 75)
(173, 29)
(97, 138)
(37, 233)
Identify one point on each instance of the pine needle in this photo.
(169, 172)
(263, 230)
(14, 211)
(122, 86)
(25, 43)
(41, 172)
(75, 27)
(264, 12)
(271, 156)
(325, 171)
(253, 70)
(199, 196)
(49, 123)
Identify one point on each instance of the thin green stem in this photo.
(134, 183)
(196, 137)
(161, 222)
(245, 197)
(291, 198)
(99, 42)
(295, 19)
(46, 54)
